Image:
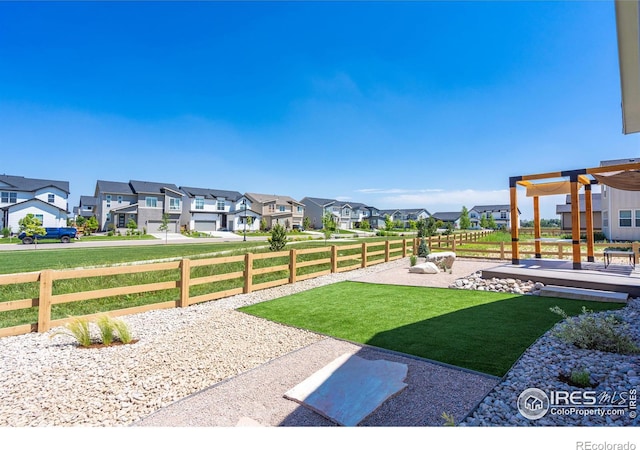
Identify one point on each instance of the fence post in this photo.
(363, 264)
(292, 266)
(453, 245)
(185, 278)
(501, 249)
(404, 248)
(415, 246)
(44, 300)
(334, 259)
(248, 272)
(387, 248)
(560, 256)
(636, 248)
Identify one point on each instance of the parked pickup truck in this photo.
(64, 234)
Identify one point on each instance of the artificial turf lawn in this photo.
(483, 331)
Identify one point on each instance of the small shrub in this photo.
(423, 248)
(105, 325)
(581, 377)
(449, 420)
(78, 328)
(6, 232)
(124, 334)
(278, 238)
(606, 333)
(414, 260)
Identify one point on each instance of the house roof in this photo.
(32, 200)
(266, 198)
(17, 183)
(150, 187)
(318, 201)
(211, 193)
(596, 204)
(485, 208)
(87, 200)
(447, 216)
(113, 187)
(628, 31)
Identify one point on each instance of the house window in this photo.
(151, 202)
(503, 215)
(119, 198)
(625, 217)
(9, 197)
(89, 208)
(345, 212)
(199, 202)
(605, 219)
(272, 208)
(300, 210)
(282, 208)
(51, 198)
(108, 201)
(637, 218)
(221, 205)
(174, 204)
(39, 217)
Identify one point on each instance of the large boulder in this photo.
(446, 258)
(426, 267)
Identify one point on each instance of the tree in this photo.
(328, 225)
(80, 221)
(431, 226)
(91, 225)
(491, 222)
(412, 225)
(164, 226)
(465, 222)
(263, 224)
(449, 228)
(306, 223)
(278, 238)
(388, 223)
(484, 222)
(32, 226)
(365, 225)
(132, 227)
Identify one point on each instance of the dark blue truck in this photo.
(64, 234)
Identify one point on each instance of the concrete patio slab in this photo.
(594, 295)
(350, 388)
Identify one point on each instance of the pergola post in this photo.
(588, 211)
(536, 226)
(515, 249)
(575, 220)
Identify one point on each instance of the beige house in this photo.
(564, 211)
(620, 209)
(277, 209)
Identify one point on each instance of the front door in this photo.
(121, 218)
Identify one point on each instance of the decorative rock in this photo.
(445, 258)
(427, 267)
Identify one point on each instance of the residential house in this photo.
(279, 209)
(346, 215)
(208, 210)
(87, 207)
(448, 217)
(620, 209)
(47, 200)
(405, 216)
(501, 215)
(564, 211)
(143, 202)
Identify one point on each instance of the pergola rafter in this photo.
(567, 182)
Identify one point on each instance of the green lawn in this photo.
(482, 331)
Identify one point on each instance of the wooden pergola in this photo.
(622, 176)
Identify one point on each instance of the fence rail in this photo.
(194, 281)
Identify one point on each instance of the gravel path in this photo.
(49, 381)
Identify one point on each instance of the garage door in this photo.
(205, 225)
(153, 225)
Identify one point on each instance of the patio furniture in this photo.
(608, 254)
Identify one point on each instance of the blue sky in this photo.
(392, 104)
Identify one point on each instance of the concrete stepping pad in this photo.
(593, 295)
(350, 388)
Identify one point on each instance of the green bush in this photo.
(6, 232)
(278, 238)
(414, 260)
(581, 377)
(606, 333)
(423, 249)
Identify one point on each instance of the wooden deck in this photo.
(593, 275)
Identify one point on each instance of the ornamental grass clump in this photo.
(105, 325)
(606, 333)
(78, 328)
(124, 334)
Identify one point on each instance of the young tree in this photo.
(491, 222)
(91, 225)
(132, 227)
(278, 238)
(431, 226)
(328, 225)
(388, 223)
(32, 227)
(484, 222)
(164, 226)
(306, 223)
(263, 224)
(365, 225)
(465, 221)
